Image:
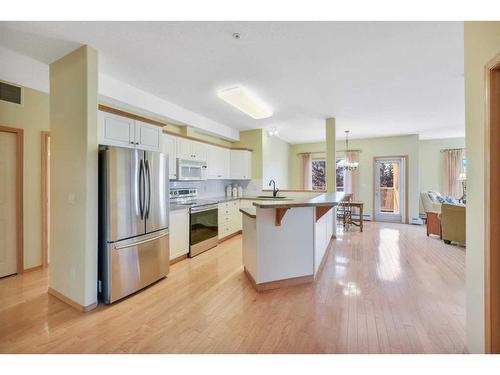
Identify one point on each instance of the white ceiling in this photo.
(375, 78)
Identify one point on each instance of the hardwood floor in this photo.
(390, 289)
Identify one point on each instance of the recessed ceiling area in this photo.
(375, 78)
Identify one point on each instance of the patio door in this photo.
(390, 188)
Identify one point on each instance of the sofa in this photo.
(453, 223)
(430, 201)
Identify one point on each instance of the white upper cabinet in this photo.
(218, 160)
(191, 150)
(116, 130)
(168, 147)
(241, 165)
(147, 137)
(125, 132)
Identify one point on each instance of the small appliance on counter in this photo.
(229, 190)
(203, 219)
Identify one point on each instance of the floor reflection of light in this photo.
(341, 260)
(389, 264)
(350, 288)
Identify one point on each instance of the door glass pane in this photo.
(389, 187)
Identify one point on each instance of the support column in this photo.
(330, 155)
(73, 180)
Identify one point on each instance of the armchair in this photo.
(453, 223)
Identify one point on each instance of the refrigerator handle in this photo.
(141, 188)
(148, 174)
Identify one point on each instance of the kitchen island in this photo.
(285, 240)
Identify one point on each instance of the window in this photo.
(318, 174)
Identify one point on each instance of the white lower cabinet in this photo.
(230, 220)
(179, 233)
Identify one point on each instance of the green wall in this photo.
(370, 148)
(481, 44)
(33, 117)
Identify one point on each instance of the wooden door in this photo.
(8, 199)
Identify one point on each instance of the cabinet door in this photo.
(241, 165)
(184, 148)
(116, 130)
(225, 156)
(199, 151)
(246, 164)
(179, 233)
(168, 146)
(213, 163)
(147, 136)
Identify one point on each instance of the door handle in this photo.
(149, 189)
(141, 242)
(141, 188)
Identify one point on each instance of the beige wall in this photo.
(482, 43)
(74, 154)
(275, 153)
(431, 162)
(33, 117)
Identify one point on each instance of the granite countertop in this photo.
(221, 199)
(326, 199)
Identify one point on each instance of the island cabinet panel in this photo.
(291, 245)
(323, 231)
(250, 246)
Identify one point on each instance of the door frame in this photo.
(45, 198)
(19, 193)
(492, 206)
(404, 218)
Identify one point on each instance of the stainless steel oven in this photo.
(204, 233)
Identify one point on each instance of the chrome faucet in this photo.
(275, 191)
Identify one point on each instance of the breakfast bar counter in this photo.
(285, 240)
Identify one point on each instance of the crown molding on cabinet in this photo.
(122, 113)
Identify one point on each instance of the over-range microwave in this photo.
(189, 170)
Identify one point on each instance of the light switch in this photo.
(71, 197)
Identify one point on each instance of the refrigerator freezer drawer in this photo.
(135, 263)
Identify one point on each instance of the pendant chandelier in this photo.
(344, 164)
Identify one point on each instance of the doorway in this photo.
(11, 201)
(390, 189)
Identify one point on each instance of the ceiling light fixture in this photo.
(344, 164)
(240, 98)
(273, 132)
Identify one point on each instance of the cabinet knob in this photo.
(136, 143)
(131, 143)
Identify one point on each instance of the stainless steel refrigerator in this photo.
(133, 220)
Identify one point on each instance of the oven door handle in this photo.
(203, 209)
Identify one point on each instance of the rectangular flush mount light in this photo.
(240, 98)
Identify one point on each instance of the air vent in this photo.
(10, 93)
